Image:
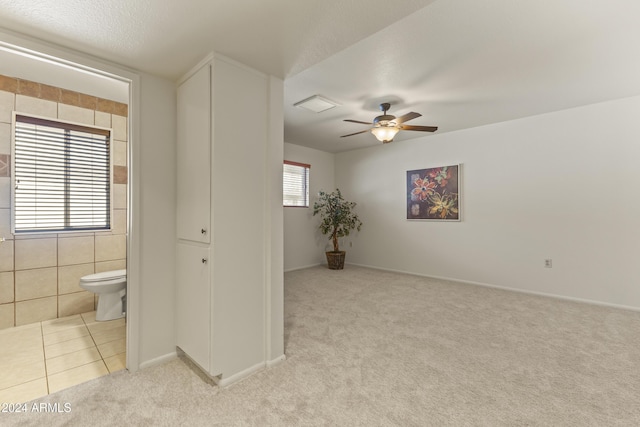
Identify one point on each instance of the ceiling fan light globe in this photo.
(385, 133)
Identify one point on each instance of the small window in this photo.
(295, 184)
(61, 174)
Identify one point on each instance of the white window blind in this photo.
(295, 184)
(62, 176)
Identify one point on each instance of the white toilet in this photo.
(111, 288)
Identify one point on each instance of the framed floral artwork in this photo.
(434, 193)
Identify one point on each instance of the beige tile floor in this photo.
(44, 357)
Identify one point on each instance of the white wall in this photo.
(52, 74)
(247, 256)
(157, 192)
(561, 185)
(275, 223)
(304, 245)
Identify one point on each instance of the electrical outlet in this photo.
(548, 263)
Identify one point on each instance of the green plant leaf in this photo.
(337, 217)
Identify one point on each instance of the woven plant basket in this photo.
(335, 260)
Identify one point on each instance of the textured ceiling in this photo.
(460, 63)
(467, 63)
(168, 37)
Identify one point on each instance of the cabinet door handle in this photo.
(204, 260)
(203, 231)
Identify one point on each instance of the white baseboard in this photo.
(278, 360)
(302, 268)
(224, 382)
(158, 360)
(506, 288)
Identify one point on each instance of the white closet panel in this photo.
(193, 303)
(194, 157)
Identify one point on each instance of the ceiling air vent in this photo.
(316, 103)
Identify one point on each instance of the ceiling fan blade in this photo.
(420, 128)
(357, 121)
(351, 134)
(407, 117)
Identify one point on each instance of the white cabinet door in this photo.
(194, 157)
(193, 303)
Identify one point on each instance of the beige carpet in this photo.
(371, 348)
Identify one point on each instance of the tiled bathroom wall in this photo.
(39, 274)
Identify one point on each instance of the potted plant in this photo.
(337, 219)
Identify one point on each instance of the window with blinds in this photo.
(295, 184)
(61, 176)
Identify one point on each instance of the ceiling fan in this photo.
(385, 127)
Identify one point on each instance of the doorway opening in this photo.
(49, 336)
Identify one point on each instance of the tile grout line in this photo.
(44, 356)
(15, 303)
(47, 375)
(88, 363)
(96, 345)
(90, 334)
